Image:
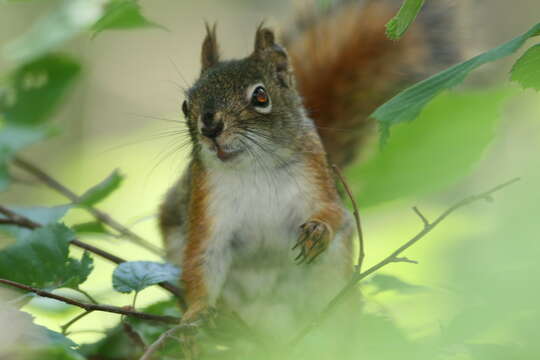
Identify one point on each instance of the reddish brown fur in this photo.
(346, 67)
(198, 232)
(330, 212)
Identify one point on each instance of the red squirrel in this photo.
(256, 222)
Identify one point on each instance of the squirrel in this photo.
(256, 221)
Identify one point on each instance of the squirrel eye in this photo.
(185, 109)
(260, 98)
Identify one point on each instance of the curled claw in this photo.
(313, 240)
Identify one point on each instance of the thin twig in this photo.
(405, 260)
(93, 307)
(133, 335)
(22, 221)
(421, 216)
(361, 251)
(163, 337)
(394, 257)
(66, 326)
(98, 214)
(88, 296)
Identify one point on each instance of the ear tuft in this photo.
(266, 49)
(210, 49)
(264, 39)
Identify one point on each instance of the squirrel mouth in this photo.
(222, 153)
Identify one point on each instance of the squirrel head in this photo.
(247, 108)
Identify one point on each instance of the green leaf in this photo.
(408, 104)
(91, 227)
(122, 15)
(40, 214)
(101, 190)
(137, 275)
(53, 30)
(14, 138)
(35, 90)
(42, 260)
(435, 151)
(398, 25)
(383, 283)
(30, 95)
(526, 71)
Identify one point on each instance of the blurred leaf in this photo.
(408, 104)
(118, 346)
(122, 14)
(58, 338)
(42, 260)
(99, 192)
(398, 25)
(55, 352)
(35, 90)
(92, 227)
(137, 275)
(23, 339)
(526, 70)
(14, 138)
(27, 99)
(53, 30)
(496, 351)
(436, 150)
(42, 214)
(383, 283)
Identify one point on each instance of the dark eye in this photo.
(185, 109)
(260, 98)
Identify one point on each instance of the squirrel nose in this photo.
(211, 129)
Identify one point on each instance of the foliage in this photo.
(138, 275)
(101, 190)
(525, 70)
(438, 137)
(42, 259)
(408, 104)
(398, 25)
(440, 147)
(121, 14)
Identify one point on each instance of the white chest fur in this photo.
(255, 218)
(255, 210)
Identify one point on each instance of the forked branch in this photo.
(395, 255)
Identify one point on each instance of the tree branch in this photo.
(163, 337)
(361, 251)
(93, 307)
(98, 214)
(22, 221)
(394, 257)
(421, 216)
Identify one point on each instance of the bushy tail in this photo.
(346, 66)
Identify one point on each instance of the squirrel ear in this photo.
(266, 49)
(210, 49)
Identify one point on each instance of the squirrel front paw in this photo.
(313, 240)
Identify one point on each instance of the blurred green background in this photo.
(475, 291)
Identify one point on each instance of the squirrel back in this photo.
(345, 66)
